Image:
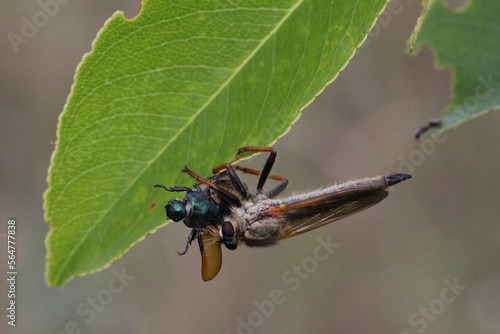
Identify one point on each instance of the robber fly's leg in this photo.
(236, 181)
(191, 236)
(273, 192)
(267, 166)
(278, 189)
(241, 152)
(249, 149)
(238, 184)
(173, 189)
(266, 170)
(230, 197)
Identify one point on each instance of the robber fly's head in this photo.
(227, 235)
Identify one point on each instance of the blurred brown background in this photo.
(395, 264)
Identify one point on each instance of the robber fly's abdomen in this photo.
(376, 182)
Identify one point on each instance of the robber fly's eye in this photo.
(227, 230)
(230, 245)
(176, 210)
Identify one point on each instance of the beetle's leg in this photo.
(200, 242)
(191, 236)
(173, 189)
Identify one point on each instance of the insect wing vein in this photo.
(308, 214)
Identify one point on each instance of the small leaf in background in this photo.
(183, 83)
(411, 42)
(467, 42)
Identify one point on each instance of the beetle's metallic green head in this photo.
(176, 210)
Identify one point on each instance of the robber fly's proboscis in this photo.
(223, 211)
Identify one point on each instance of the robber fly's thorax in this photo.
(254, 226)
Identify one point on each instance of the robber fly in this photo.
(259, 220)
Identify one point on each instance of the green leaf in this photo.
(467, 42)
(185, 82)
(413, 38)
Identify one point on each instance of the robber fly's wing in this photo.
(313, 212)
(211, 255)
